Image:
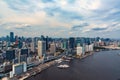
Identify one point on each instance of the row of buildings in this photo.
(81, 50)
(17, 54)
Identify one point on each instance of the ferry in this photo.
(59, 60)
(67, 60)
(63, 66)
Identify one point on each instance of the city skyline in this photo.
(64, 18)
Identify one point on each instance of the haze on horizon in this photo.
(60, 18)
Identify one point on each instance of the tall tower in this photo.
(41, 48)
(11, 37)
(47, 40)
(52, 48)
(32, 45)
(79, 50)
(72, 43)
(65, 45)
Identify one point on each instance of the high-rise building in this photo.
(86, 48)
(47, 45)
(10, 55)
(52, 48)
(65, 45)
(20, 44)
(83, 49)
(72, 43)
(23, 58)
(91, 47)
(24, 52)
(79, 50)
(88, 41)
(78, 41)
(41, 48)
(7, 38)
(32, 45)
(16, 38)
(11, 37)
(16, 41)
(42, 38)
(18, 69)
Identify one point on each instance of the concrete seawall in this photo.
(84, 56)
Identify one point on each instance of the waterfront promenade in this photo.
(41, 67)
(33, 71)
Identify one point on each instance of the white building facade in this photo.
(41, 48)
(79, 50)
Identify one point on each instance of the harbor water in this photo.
(104, 65)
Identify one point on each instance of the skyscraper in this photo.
(24, 52)
(52, 48)
(11, 37)
(79, 49)
(72, 43)
(10, 55)
(32, 45)
(42, 38)
(65, 45)
(20, 44)
(47, 40)
(41, 48)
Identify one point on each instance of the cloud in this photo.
(17, 26)
(77, 27)
(63, 14)
(47, 1)
(99, 29)
(85, 17)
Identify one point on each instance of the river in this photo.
(104, 65)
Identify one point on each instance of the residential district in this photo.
(22, 57)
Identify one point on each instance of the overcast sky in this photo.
(60, 18)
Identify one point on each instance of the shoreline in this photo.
(34, 71)
(91, 53)
(40, 68)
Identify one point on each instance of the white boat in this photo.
(59, 60)
(67, 60)
(63, 66)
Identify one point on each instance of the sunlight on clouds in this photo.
(88, 4)
(100, 16)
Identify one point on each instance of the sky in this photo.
(60, 18)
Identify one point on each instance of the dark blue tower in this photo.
(72, 43)
(47, 40)
(11, 37)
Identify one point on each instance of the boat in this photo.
(67, 60)
(63, 66)
(59, 60)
